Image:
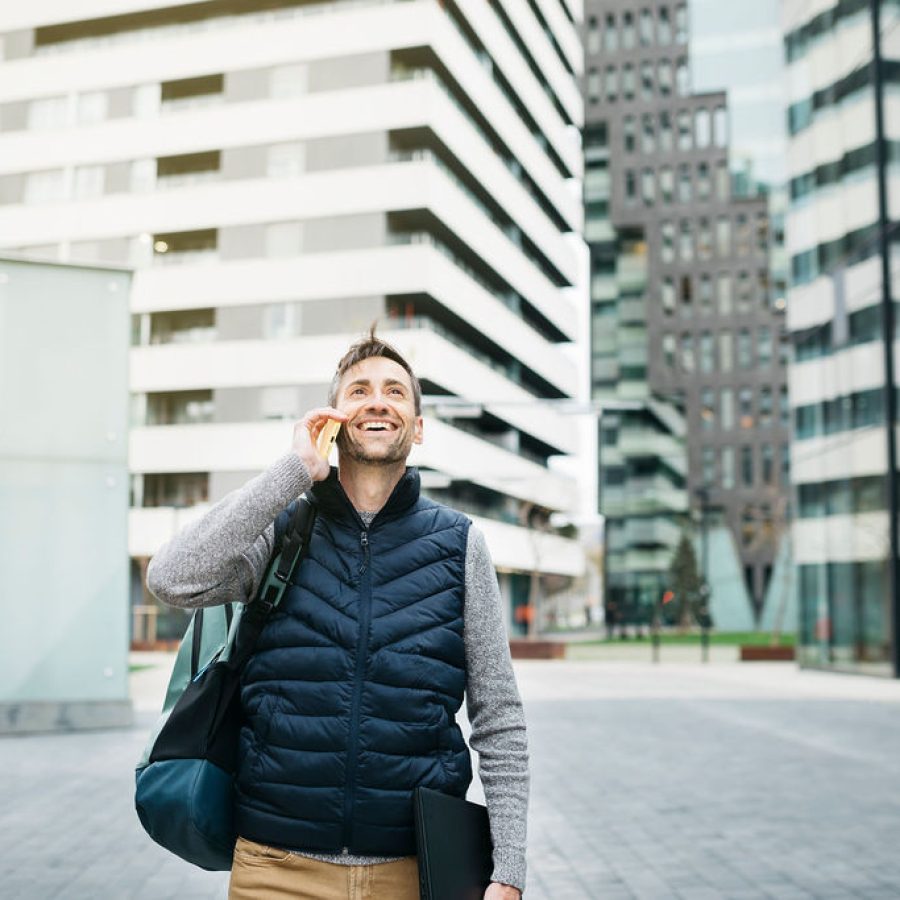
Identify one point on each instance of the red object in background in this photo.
(668, 597)
(524, 614)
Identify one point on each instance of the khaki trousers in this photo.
(267, 873)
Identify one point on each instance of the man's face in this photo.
(377, 395)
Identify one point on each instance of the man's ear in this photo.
(417, 433)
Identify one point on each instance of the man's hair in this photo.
(366, 348)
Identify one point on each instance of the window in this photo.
(707, 409)
(723, 181)
(726, 409)
(48, 112)
(681, 24)
(684, 130)
(762, 233)
(764, 346)
(628, 36)
(704, 240)
(665, 132)
(682, 78)
(667, 295)
(684, 290)
(628, 134)
(593, 35)
(645, 26)
(704, 182)
(667, 234)
(664, 27)
(726, 349)
(726, 462)
(742, 237)
(45, 187)
(646, 80)
(143, 176)
(705, 295)
(593, 85)
(723, 283)
(286, 160)
(723, 236)
(684, 183)
(284, 239)
(784, 407)
(668, 345)
(88, 181)
(648, 134)
(707, 356)
(746, 466)
(289, 80)
(666, 184)
(745, 408)
(687, 352)
(630, 186)
(92, 107)
(702, 127)
(664, 77)
(708, 465)
(763, 289)
(720, 126)
(145, 100)
(648, 187)
(628, 81)
(612, 83)
(744, 294)
(685, 241)
(765, 406)
(745, 349)
(610, 34)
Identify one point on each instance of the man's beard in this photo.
(393, 453)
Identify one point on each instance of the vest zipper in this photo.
(365, 613)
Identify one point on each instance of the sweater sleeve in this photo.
(496, 714)
(222, 556)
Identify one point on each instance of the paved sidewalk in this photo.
(675, 781)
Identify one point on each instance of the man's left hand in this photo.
(497, 891)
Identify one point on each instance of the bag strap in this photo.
(278, 576)
(197, 635)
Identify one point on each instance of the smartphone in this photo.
(327, 437)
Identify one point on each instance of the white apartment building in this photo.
(280, 174)
(836, 382)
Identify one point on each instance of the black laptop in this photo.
(453, 838)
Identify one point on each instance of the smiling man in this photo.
(352, 692)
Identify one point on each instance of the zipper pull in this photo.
(364, 541)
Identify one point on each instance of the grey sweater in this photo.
(222, 557)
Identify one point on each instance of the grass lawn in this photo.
(722, 638)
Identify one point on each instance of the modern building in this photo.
(837, 378)
(282, 173)
(685, 314)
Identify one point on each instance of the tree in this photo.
(685, 581)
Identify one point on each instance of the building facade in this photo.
(685, 311)
(837, 378)
(281, 174)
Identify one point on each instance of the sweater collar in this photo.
(332, 499)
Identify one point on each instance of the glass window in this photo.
(682, 78)
(630, 186)
(765, 406)
(610, 33)
(746, 466)
(686, 241)
(784, 407)
(723, 181)
(726, 409)
(593, 85)
(628, 81)
(762, 233)
(143, 176)
(763, 289)
(666, 184)
(648, 134)
(745, 349)
(612, 83)
(785, 464)
(702, 127)
(664, 77)
(704, 182)
(727, 464)
(145, 100)
(684, 290)
(89, 181)
(667, 295)
(687, 352)
(720, 126)
(667, 234)
(744, 294)
(684, 130)
(707, 409)
(767, 463)
(723, 236)
(646, 28)
(92, 107)
(726, 350)
(647, 80)
(707, 357)
(628, 134)
(705, 295)
(742, 237)
(286, 160)
(593, 35)
(708, 465)
(723, 283)
(664, 27)
(704, 239)
(745, 408)
(668, 345)
(665, 132)
(684, 183)
(764, 346)
(48, 112)
(284, 239)
(628, 36)
(681, 24)
(648, 187)
(289, 80)
(45, 187)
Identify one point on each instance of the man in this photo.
(351, 694)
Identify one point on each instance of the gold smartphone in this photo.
(327, 437)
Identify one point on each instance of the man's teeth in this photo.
(374, 426)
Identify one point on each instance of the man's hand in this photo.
(497, 891)
(306, 431)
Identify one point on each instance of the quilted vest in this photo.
(351, 695)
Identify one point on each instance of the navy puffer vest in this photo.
(351, 695)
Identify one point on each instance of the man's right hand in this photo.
(306, 431)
